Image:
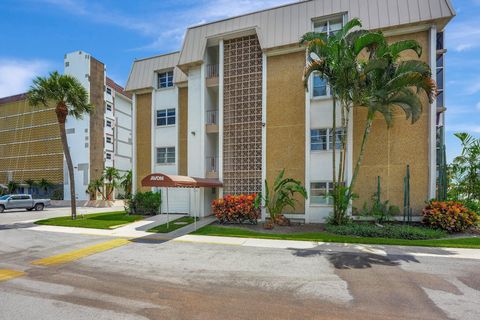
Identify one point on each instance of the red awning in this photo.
(172, 181)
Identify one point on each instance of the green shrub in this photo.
(391, 231)
(451, 216)
(57, 194)
(144, 203)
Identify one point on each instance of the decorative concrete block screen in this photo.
(242, 116)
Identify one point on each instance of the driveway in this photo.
(146, 279)
(9, 217)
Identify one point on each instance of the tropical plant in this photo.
(335, 58)
(450, 216)
(280, 196)
(342, 197)
(465, 172)
(94, 187)
(31, 183)
(70, 99)
(44, 184)
(144, 203)
(126, 184)
(12, 186)
(92, 191)
(110, 175)
(236, 209)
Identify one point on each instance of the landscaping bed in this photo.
(106, 220)
(173, 225)
(316, 232)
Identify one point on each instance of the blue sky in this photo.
(37, 33)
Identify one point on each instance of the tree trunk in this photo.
(62, 113)
(366, 133)
(334, 167)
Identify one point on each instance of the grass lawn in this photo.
(105, 220)
(174, 225)
(211, 230)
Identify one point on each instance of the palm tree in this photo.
(44, 184)
(111, 175)
(31, 183)
(12, 186)
(388, 84)
(126, 184)
(70, 99)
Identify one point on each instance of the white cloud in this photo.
(16, 75)
(463, 36)
(478, 106)
(465, 127)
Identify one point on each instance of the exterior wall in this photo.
(143, 137)
(97, 119)
(123, 133)
(286, 118)
(388, 151)
(30, 146)
(182, 131)
(77, 64)
(195, 122)
(242, 115)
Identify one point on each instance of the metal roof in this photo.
(142, 75)
(284, 25)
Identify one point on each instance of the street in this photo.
(151, 279)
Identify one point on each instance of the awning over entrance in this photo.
(172, 181)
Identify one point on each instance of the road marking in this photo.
(81, 253)
(6, 274)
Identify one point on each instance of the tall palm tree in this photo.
(44, 184)
(111, 175)
(389, 84)
(12, 186)
(70, 99)
(126, 184)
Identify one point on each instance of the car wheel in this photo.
(2, 208)
(29, 209)
(39, 207)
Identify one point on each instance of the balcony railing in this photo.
(211, 165)
(211, 117)
(212, 71)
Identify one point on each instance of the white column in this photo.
(134, 143)
(307, 154)
(264, 128)
(432, 186)
(220, 115)
(152, 134)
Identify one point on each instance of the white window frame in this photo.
(168, 76)
(109, 122)
(166, 110)
(327, 199)
(109, 91)
(109, 107)
(327, 94)
(108, 156)
(329, 140)
(108, 138)
(165, 160)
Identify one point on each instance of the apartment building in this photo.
(30, 146)
(231, 105)
(103, 138)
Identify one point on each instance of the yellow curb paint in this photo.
(81, 253)
(208, 242)
(6, 274)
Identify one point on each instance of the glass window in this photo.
(108, 156)
(109, 91)
(339, 137)
(319, 86)
(166, 155)
(109, 139)
(109, 123)
(319, 192)
(329, 27)
(165, 79)
(166, 117)
(318, 139)
(109, 107)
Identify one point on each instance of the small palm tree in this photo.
(44, 184)
(70, 99)
(126, 184)
(111, 175)
(31, 183)
(280, 196)
(12, 186)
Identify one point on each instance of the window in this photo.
(330, 27)
(109, 107)
(166, 117)
(166, 155)
(320, 192)
(109, 123)
(108, 156)
(165, 79)
(320, 87)
(322, 139)
(109, 91)
(109, 139)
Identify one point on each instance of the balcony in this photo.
(211, 121)
(211, 165)
(212, 73)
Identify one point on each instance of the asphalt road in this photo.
(180, 280)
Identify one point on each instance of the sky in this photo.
(37, 33)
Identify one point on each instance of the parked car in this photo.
(22, 201)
